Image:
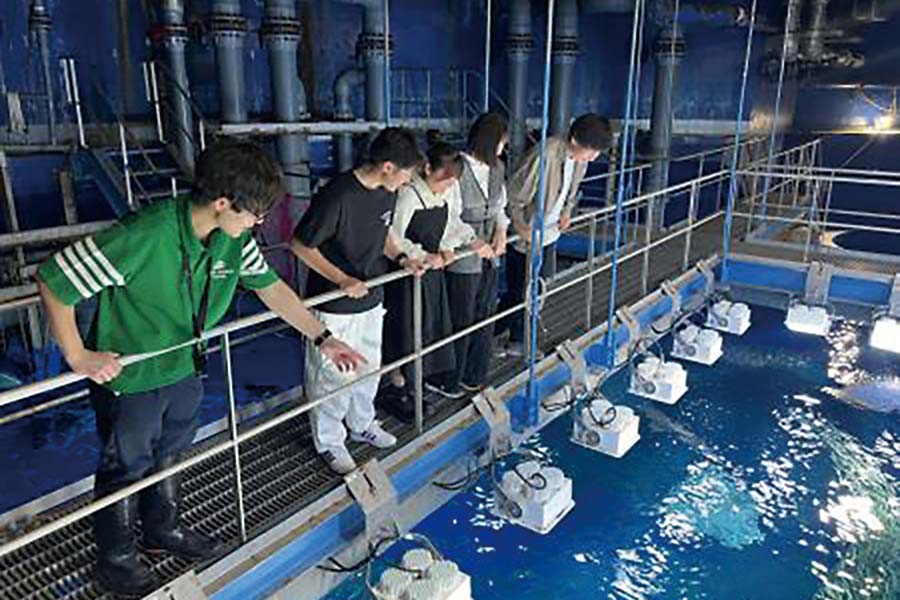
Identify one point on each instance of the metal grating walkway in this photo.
(282, 473)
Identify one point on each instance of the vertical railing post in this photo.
(151, 83)
(233, 432)
(648, 228)
(812, 219)
(202, 129)
(126, 170)
(592, 254)
(417, 365)
(70, 76)
(692, 206)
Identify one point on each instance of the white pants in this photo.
(355, 404)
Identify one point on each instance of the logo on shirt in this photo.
(386, 218)
(220, 270)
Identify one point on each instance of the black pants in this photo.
(137, 431)
(473, 298)
(516, 282)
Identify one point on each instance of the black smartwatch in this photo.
(322, 337)
(401, 257)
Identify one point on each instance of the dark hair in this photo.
(396, 145)
(592, 131)
(485, 135)
(444, 157)
(242, 172)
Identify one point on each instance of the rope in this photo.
(732, 186)
(630, 109)
(537, 232)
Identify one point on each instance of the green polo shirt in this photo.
(136, 271)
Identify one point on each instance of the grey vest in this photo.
(478, 211)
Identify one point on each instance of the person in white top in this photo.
(427, 234)
(566, 160)
(472, 281)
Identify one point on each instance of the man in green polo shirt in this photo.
(162, 276)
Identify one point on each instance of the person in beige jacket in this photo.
(566, 162)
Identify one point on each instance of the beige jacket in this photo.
(522, 188)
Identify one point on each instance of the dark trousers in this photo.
(138, 431)
(517, 282)
(473, 298)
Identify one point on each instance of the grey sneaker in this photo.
(338, 460)
(374, 436)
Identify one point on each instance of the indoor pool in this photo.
(775, 477)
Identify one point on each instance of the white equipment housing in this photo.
(663, 381)
(697, 345)
(730, 317)
(603, 427)
(538, 507)
(433, 579)
(813, 320)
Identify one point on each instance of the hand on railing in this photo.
(99, 367)
(414, 266)
(482, 248)
(354, 288)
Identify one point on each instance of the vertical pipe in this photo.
(519, 43)
(789, 52)
(565, 53)
(281, 31)
(729, 210)
(233, 432)
(387, 63)
(669, 49)
(344, 85)
(692, 207)
(648, 228)
(537, 234)
(417, 365)
(486, 100)
(175, 40)
(818, 22)
(620, 194)
(39, 23)
(372, 47)
(126, 169)
(229, 28)
(592, 254)
(124, 57)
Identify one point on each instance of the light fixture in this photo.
(886, 334)
(803, 318)
(886, 330)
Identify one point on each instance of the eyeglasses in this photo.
(257, 219)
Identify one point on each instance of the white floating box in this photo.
(605, 428)
(424, 579)
(663, 381)
(730, 317)
(886, 334)
(697, 345)
(813, 320)
(539, 506)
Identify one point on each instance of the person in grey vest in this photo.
(472, 281)
(566, 160)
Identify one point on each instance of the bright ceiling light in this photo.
(886, 335)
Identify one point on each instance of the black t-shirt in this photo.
(348, 223)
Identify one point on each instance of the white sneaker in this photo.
(374, 436)
(338, 459)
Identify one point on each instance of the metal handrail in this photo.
(198, 113)
(237, 438)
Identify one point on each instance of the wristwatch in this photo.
(401, 257)
(322, 337)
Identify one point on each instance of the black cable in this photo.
(358, 566)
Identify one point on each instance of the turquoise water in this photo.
(764, 482)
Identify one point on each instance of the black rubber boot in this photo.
(160, 505)
(119, 567)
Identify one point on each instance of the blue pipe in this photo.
(620, 194)
(229, 29)
(519, 42)
(565, 54)
(732, 187)
(537, 231)
(281, 31)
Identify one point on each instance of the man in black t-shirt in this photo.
(344, 239)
